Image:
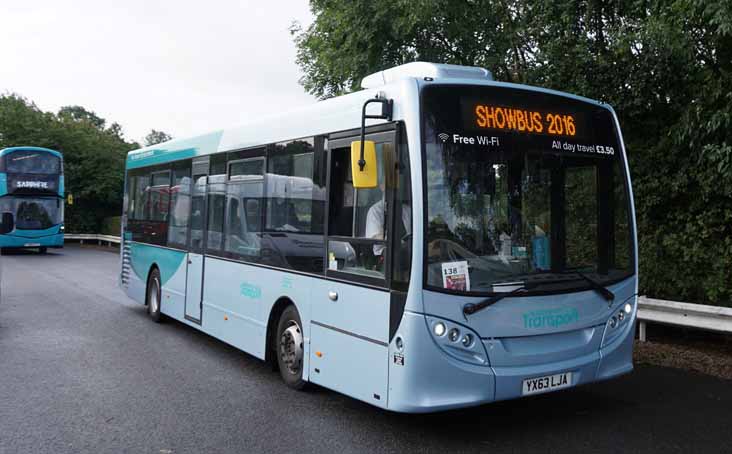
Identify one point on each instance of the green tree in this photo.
(78, 113)
(664, 65)
(349, 40)
(94, 157)
(156, 137)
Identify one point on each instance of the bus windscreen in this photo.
(27, 161)
(522, 186)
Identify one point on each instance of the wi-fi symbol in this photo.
(443, 136)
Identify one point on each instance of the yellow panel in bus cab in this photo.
(368, 176)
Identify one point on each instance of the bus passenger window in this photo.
(180, 207)
(159, 196)
(215, 222)
(197, 205)
(141, 189)
(244, 190)
(294, 204)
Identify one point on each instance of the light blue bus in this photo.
(436, 240)
(31, 198)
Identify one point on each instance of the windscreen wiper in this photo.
(472, 308)
(596, 286)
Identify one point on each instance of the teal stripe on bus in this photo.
(143, 256)
(46, 150)
(174, 151)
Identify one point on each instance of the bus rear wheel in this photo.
(42, 250)
(289, 347)
(153, 296)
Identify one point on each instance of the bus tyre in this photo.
(42, 250)
(153, 296)
(289, 347)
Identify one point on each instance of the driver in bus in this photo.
(376, 221)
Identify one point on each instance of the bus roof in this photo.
(5, 151)
(331, 115)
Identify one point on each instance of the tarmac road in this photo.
(82, 369)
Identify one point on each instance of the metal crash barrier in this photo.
(711, 318)
(92, 237)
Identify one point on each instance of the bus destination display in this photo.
(478, 115)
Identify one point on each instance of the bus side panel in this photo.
(349, 365)
(173, 293)
(349, 337)
(171, 264)
(238, 299)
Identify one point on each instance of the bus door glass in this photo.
(194, 280)
(350, 309)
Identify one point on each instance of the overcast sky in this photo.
(184, 67)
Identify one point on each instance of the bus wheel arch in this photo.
(274, 318)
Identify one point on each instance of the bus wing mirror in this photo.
(363, 165)
(7, 223)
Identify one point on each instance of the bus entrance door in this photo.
(349, 328)
(194, 275)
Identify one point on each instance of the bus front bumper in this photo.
(430, 380)
(49, 238)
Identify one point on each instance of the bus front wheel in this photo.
(153, 296)
(289, 348)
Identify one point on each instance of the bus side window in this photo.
(159, 196)
(180, 206)
(141, 188)
(244, 191)
(216, 205)
(293, 236)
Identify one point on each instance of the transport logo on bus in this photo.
(250, 290)
(550, 318)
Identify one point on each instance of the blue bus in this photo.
(436, 240)
(31, 198)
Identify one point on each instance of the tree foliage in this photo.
(94, 155)
(664, 65)
(155, 137)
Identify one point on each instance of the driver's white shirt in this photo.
(375, 223)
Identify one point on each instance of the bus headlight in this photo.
(460, 342)
(618, 320)
(439, 329)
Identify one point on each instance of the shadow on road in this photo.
(32, 252)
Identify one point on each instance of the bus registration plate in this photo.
(32, 244)
(546, 383)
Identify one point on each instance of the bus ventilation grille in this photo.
(125, 264)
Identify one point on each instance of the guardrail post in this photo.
(642, 334)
